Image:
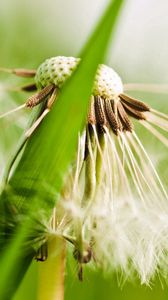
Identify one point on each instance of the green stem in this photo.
(51, 272)
(90, 181)
(99, 160)
(90, 176)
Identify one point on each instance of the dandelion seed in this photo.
(114, 209)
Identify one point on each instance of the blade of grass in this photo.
(50, 150)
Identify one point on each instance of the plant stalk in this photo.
(51, 272)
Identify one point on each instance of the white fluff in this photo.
(129, 208)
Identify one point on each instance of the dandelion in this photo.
(114, 206)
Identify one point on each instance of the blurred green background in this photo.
(31, 31)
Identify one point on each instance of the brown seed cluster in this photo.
(115, 113)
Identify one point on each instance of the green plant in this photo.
(29, 192)
(108, 209)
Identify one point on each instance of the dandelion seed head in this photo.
(56, 70)
(114, 206)
(107, 83)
